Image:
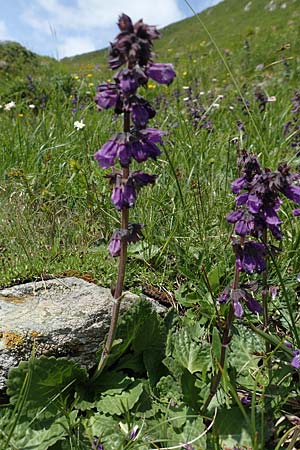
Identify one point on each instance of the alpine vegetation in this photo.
(130, 53)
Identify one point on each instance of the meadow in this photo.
(237, 74)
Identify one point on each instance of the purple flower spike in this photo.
(161, 73)
(296, 360)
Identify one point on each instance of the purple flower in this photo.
(130, 79)
(125, 191)
(114, 247)
(293, 193)
(116, 147)
(96, 444)
(225, 295)
(141, 111)
(161, 73)
(144, 146)
(244, 222)
(246, 399)
(238, 185)
(242, 295)
(108, 96)
(296, 360)
(250, 257)
(237, 306)
(134, 432)
(296, 212)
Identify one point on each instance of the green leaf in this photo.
(169, 389)
(232, 429)
(195, 357)
(48, 378)
(119, 404)
(191, 393)
(42, 436)
(244, 360)
(216, 344)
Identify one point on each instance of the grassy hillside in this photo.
(240, 28)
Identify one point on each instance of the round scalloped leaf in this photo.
(44, 379)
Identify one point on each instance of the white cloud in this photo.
(95, 14)
(4, 35)
(75, 45)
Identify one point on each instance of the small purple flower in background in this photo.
(134, 433)
(296, 360)
(96, 445)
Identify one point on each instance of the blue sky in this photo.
(61, 28)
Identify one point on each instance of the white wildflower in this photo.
(9, 106)
(31, 106)
(78, 125)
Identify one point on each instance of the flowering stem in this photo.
(224, 344)
(117, 293)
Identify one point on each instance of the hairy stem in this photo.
(265, 292)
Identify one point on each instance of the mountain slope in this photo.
(261, 23)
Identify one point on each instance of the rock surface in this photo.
(61, 317)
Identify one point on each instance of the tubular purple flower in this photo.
(141, 111)
(116, 147)
(225, 295)
(144, 146)
(161, 73)
(237, 306)
(125, 191)
(130, 79)
(252, 304)
(293, 193)
(114, 247)
(238, 185)
(108, 96)
(296, 360)
(250, 257)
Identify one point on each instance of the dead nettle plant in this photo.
(259, 196)
(131, 53)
